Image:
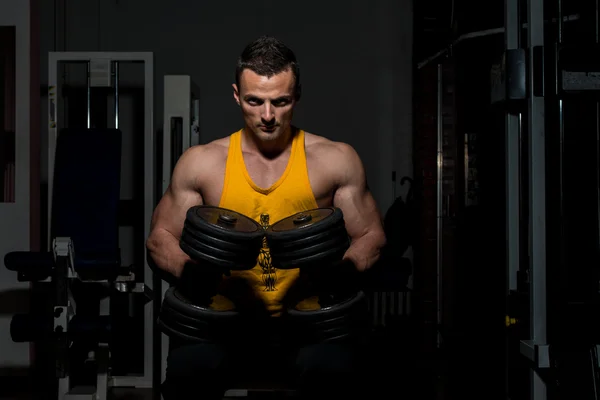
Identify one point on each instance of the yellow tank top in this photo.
(290, 194)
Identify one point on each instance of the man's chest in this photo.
(265, 174)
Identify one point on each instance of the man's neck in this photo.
(270, 148)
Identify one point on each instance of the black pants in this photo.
(206, 370)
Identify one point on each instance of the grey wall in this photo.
(355, 58)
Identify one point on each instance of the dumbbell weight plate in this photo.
(221, 237)
(313, 261)
(311, 238)
(313, 250)
(304, 242)
(336, 322)
(201, 249)
(181, 318)
(181, 303)
(303, 224)
(224, 224)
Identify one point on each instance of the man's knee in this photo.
(327, 359)
(196, 360)
(328, 369)
(196, 369)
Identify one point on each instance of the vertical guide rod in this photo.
(596, 31)
(512, 127)
(116, 84)
(537, 189)
(439, 197)
(89, 95)
(513, 173)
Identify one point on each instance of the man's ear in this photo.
(236, 94)
(298, 93)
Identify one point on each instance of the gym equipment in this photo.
(552, 275)
(221, 238)
(184, 318)
(84, 266)
(181, 130)
(309, 239)
(97, 304)
(315, 242)
(344, 320)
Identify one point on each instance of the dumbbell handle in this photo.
(200, 283)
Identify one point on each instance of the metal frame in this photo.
(16, 216)
(54, 58)
(536, 349)
(439, 202)
(513, 170)
(513, 167)
(180, 101)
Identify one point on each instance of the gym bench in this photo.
(82, 266)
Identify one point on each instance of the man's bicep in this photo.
(172, 208)
(353, 197)
(181, 194)
(361, 214)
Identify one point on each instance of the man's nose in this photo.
(268, 114)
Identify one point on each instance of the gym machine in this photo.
(181, 130)
(94, 298)
(549, 89)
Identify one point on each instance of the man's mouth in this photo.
(265, 128)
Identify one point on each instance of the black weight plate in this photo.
(183, 326)
(212, 332)
(337, 333)
(356, 319)
(200, 246)
(303, 224)
(245, 246)
(176, 300)
(224, 224)
(241, 258)
(301, 243)
(325, 313)
(335, 242)
(225, 264)
(318, 260)
(168, 313)
(197, 328)
(171, 331)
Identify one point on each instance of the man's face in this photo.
(267, 103)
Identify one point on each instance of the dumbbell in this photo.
(220, 241)
(315, 241)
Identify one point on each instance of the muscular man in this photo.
(267, 170)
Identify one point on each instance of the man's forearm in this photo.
(164, 249)
(365, 251)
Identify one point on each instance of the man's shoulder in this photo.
(205, 155)
(321, 146)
